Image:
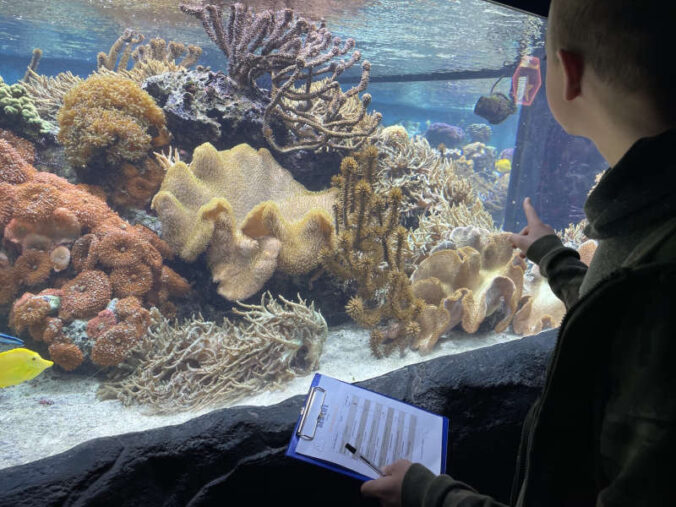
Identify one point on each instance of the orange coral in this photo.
(101, 323)
(36, 201)
(94, 190)
(6, 204)
(13, 168)
(108, 117)
(174, 283)
(33, 267)
(23, 147)
(83, 253)
(85, 295)
(114, 345)
(8, 285)
(53, 328)
(131, 280)
(29, 310)
(129, 310)
(162, 246)
(66, 355)
(138, 186)
(119, 249)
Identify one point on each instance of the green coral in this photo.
(18, 113)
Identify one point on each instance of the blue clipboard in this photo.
(305, 429)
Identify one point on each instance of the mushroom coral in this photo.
(247, 213)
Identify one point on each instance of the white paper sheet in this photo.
(381, 429)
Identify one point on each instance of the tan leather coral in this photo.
(539, 309)
(471, 285)
(247, 213)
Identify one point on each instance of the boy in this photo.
(603, 431)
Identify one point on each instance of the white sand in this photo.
(57, 411)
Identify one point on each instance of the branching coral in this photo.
(371, 251)
(197, 364)
(296, 54)
(248, 214)
(157, 57)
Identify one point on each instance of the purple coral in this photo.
(443, 133)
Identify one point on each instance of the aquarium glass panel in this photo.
(202, 205)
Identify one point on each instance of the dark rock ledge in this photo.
(236, 456)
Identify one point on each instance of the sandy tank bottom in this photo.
(57, 411)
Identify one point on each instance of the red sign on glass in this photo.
(526, 80)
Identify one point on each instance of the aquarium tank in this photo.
(203, 203)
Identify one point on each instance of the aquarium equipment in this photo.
(526, 81)
(494, 107)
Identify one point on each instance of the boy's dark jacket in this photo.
(603, 432)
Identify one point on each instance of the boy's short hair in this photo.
(629, 43)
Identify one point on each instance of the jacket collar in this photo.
(638, 192)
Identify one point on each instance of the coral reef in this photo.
(479, 132)
(443, 133)
(247, 213)
(370, 254)
(108, 126)
(196, 364)
(76, 254)
(472, 284)
(109, 119)
(413, 166)
(17, 112)
(156, 57)
(539, 308)
(297, 55)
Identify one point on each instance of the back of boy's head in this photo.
(630, 44)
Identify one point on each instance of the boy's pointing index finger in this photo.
(531, 215)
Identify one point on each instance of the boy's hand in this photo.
(533, 231)
(388, 488)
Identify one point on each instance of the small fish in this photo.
(504, 165)
(19, 365)
(11, 340)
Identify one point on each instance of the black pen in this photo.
(353, 450)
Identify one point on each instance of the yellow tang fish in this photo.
(504, 165)
(19, 365)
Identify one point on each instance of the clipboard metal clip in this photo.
(316, 393)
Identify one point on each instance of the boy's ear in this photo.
(573, 69)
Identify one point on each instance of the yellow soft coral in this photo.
(248, 214)
(471, 285)
(110, 118)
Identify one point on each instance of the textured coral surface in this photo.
(248, 214)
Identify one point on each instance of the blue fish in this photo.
(11, 340)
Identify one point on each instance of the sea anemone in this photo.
(29, 310)
(36, 201)
(120, 249)
(53, 328)
(114, 345)
(6, 204)
(33, 267)
(86, 295)
(67, 355)
(101, 323)
(131, 280)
